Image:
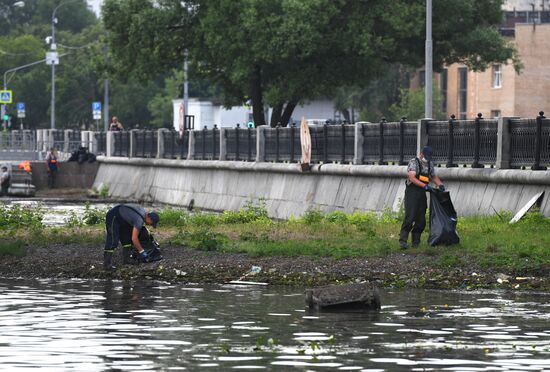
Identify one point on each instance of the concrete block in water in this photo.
(21, 189)
(356, 295)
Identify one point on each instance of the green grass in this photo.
(12, 248)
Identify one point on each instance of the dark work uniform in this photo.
(119, 222)
(415, 203)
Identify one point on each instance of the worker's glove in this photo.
(442, 187)
(428, 188)
(143, 256)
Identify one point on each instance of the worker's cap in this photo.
(427, 152)
(154, 216)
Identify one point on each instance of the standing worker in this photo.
(123, 223)
(4, 181)
(51, 167)
(115, 125)
(420, 172)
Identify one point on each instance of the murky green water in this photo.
(102, 325)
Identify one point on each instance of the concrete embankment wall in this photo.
(70, 175)
(223, 185)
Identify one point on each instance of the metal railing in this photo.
(385, 142)
(240, 143)
(175, 146)
(332, 143)
(207, 144)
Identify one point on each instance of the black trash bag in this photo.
(443, 219)
(150, 246)
(74, 156)
(91, 157)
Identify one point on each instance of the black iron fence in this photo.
(240, 143)
(332, 143)
(121, 143)
(146, 142)
(100, 139)
(530, 143)
(282, 144)
(472, 142)
(73, 140)
(207, 144)
(176, 146)
(393, 142)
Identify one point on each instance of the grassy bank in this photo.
(488, 241)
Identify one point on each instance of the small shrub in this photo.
(93, 216)
(337, 217)
(73, 220)
(174, 217)
(16, 216)
(104, 191)
(312, 216)
(203, 219)
(203, 239)
(249, 213)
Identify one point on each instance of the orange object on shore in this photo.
(26, 165)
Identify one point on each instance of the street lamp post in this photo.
(429, 62)
(54, 60)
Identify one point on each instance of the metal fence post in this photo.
(325, 143)
(249, 134)
(477, 142)
(277, 130)
(381, 142)
(223, 143)
(292, 130)
(260, 144)
(237, 144)
(358, 144)
(66, 139)
(214, 141)
(538, 142)
(450, 153)
(402, 140)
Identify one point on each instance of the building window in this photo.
(495, 114)
(443, 78)
(497, 76)
(462, 92)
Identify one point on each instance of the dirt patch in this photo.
(185, 265)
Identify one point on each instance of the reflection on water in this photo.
(105, 325)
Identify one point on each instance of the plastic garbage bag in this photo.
(443, 220)
(150, 246)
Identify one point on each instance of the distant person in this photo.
(52, 166)
(123, 223)
(420, 172)
(4, 181)
(115, 125)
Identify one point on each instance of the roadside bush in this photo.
(312, 216)
(202, 239)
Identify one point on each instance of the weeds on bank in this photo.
(17, 217)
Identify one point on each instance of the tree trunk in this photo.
(287, 113)
(257, 98)
(276, 115)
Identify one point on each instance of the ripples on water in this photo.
(103, 325)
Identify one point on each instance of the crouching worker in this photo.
(125, 223)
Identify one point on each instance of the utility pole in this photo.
(428, 74)
(185, 85)
(106, 96)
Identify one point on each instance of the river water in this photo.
(85, 325)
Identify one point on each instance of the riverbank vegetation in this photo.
(488, 241)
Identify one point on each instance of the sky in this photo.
(96, 5)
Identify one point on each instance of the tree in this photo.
(411, 105)
(282, 52)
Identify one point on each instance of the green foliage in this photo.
(16, 217)
(94, 216)
(312, 216)
(411, 104)
(202, 239)
(249, 213)
(104, 191)
(283, 52)
(173, 217)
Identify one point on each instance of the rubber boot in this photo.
(108, 260)
(127, 251)
(403, 237)
(415, 239)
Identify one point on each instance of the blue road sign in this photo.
(5, 96)
(20, 106)
(96, 106)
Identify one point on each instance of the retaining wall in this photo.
(70, 175)
(224, 185)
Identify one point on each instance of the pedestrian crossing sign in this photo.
(5, 96)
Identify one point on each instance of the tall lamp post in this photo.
(429, 62)
(53, 59)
